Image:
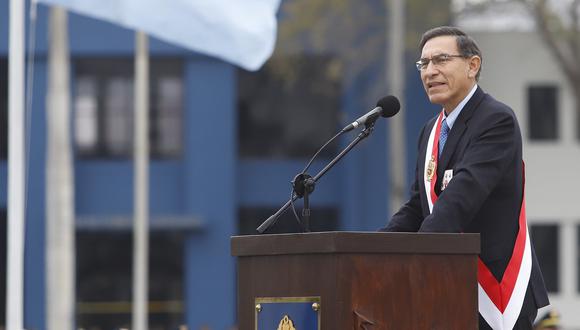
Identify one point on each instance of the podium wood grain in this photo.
(365, 280)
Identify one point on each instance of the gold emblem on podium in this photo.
(431, 168)
(287, 313)
(286, 324)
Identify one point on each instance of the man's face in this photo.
(449, 82)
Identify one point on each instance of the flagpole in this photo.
(60, 219)
(396, 81)
(141, 189)
(16, 162)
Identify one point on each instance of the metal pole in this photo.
(141, 192)
(396, 82)
(16, 169)
(60, 219)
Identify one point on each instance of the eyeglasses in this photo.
(435, 59)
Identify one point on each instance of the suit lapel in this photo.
(457, 132)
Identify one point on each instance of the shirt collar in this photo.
(455, 113)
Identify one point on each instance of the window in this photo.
(289, 108)
(3, 108)
(545, 239)
(321, 219)
(103, 102)
(104, 280)
(543, 112)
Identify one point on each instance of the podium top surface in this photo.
(355, 242)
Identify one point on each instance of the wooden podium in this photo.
(365, 280)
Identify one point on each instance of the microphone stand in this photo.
(309, 183)
(302, 186)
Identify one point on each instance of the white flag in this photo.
(242, 32)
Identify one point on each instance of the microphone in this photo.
(388, 106)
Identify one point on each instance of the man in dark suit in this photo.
(470, 178)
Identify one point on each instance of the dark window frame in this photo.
(3, 108)
(290, 107)
(102, 70)
(103, 281)
(549, 259)
(543, 112)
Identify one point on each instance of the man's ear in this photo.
(474, 66)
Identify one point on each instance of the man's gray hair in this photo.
(466, 45)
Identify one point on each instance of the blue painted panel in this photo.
(210, 192)
(267, 183)
(106, 187)
(103, 188)
(350, 166)
(365, 180)
(34, 263)
(4, 22)
(95, 37)
(374, 183)
(3, 27)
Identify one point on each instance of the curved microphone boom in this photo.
(387, 106)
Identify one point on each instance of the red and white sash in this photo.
(500, 303)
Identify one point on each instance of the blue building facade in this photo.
(201, 193)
